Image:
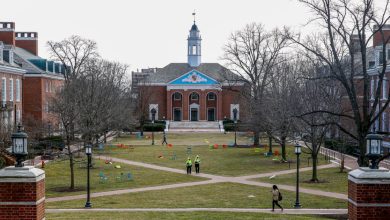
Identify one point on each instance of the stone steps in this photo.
(194, 126)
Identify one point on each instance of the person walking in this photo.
(276, 197)
(197, 164)
(164, 139)
(189, 165)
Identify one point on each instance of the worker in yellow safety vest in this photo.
(189, 165)
(197, 164)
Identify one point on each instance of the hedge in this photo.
(155, 127)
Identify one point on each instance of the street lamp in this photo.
(374, 149)
(153, 118)
(298, 151)
(235, 126)
(88, 152)
(19, 146)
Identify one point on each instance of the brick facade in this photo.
(22, 194)
(368, 194)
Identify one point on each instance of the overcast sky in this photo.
(148, 33)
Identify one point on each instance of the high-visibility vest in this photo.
(189, 163)
(197, 161)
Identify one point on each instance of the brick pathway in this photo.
(213, 179)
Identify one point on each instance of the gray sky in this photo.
(148, 33)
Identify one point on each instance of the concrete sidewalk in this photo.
(238, 210)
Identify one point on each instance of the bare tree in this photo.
(73, 53)
(252, 53)
(349, 26)
(280, 103)
(317, 96)
(142, 96)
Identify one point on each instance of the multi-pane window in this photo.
(194, 96)
(17, 90)
(177, 96)
(211, 96)
(11, 90)
(3, 89)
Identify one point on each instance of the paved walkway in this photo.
(286, 211)
(212, 179)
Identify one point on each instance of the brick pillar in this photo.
(369, 194)
(185, 101)
(219, 105)
(22, 193)
(202, 105)
(169, 105)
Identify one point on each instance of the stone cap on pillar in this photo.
(21, 174)
(370, 176)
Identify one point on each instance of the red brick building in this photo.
(41, 77)
(192, 91)
(11, 76)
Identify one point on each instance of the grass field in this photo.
(186, 138)
(58, 180)
(221, 161)
(330, 180)
(219, 195)
(177, 216)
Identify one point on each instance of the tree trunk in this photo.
(105, 137)
(314, 177)
(362, 160)
(283, 144)
(256, 139)
(270, 144)
(342, 161)
(71, 162)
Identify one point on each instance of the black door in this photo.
(211, 114)
(194, 114)
(177, 114)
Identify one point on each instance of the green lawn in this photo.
(186, 138)
(219, 195)
(58, 172)
(177, 216)
(221, 161)
(330, 180)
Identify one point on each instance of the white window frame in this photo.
(11, 89)
(174, 97)
(18, 90)
(208, 96)
(197, 95)
(3, 89)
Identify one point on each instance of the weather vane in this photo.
(193, 14)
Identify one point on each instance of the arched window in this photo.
(211, 96)
(176, 96)
(194, 96)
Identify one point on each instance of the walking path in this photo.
(286, 211)
(213, 179)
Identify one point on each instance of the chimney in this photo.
(377, 40)
(355, 43)
(7, 33)
(27, 41)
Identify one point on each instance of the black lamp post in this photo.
(19, 146)
(153, 118)
(235, 126)
(88, 152)
(374, 149)
(297, 152)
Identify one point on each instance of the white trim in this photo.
(173, 113)
(181, 96)
(191, 99)
(3, 89)
(153, 106)
(14, 70)
(194, 106)
(369, 181)
(207, 113)
(196, 71)
(232, 107)
(25, 203)
(11, 89)
(368, 204)
(18, 90)
(189, 87)
(45, 76)
(207, 96)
